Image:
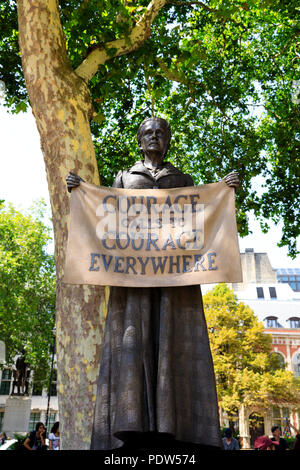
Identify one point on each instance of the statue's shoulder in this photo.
(118, 182)
(172, 170)
(189, 180)
(137, 167)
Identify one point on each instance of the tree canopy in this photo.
(223, 73)
(27, 286)
(246, 370)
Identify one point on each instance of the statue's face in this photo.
(154, 138)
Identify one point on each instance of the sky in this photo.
(23, 180)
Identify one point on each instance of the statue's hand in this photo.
(232, 180)
(73, 181)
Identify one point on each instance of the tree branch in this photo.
(138, 35)
(172, 75)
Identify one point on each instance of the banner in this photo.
(152, 237)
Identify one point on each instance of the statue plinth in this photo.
(17, 414)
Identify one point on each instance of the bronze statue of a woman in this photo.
(156, 385)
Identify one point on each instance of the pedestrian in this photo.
(264, 443)
(229, 442)
(36, 439)
(54, 437)
(283, 445)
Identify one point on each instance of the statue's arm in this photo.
(118, 183)
(26, 444)
(73, 181)
(232, 180)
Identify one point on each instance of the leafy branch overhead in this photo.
(225, 74)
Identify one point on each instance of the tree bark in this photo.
(62, 108)
(138, 35)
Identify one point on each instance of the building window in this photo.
(276, 416)
(271, 322)
(5, 382)
(33, 420)
(277, 360)
(51, 420)
(260, 293)
(286, 414)
(272, 291)
(291, 277)
(37, 389)
(2, 352)
(294, 322)
(53, 390)
(280, 416)
(296, 365)
(38, 385)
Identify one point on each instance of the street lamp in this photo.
(52, 349)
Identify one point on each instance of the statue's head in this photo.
(159, 124)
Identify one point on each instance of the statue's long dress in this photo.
(156, 373)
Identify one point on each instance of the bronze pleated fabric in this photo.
(156, 370)
(156, 373)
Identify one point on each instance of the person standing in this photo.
(283, 445)
(54, 437)
(229, 442)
